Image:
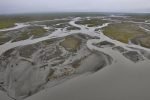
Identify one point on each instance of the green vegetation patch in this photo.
(51, 41)
(123, 31)
(139, 17)
(71, 43)
(145, 42)
(36, 32)
(9, 21)
(4, 39)
(91, 22)
(22, 36)
(6, 24)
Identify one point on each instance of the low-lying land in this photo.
(145, 41)
(34, 31)
(123, 32)
(6, 24)
(91, 22)
(7, 21)
(71, 43)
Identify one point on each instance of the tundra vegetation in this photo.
(123, 31)
(91, 22)
(71, 43)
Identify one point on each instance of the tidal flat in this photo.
(42, 56)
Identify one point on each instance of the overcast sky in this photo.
(25, 6)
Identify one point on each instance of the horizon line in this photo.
(57, 12)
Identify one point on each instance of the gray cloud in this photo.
(21, 6)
